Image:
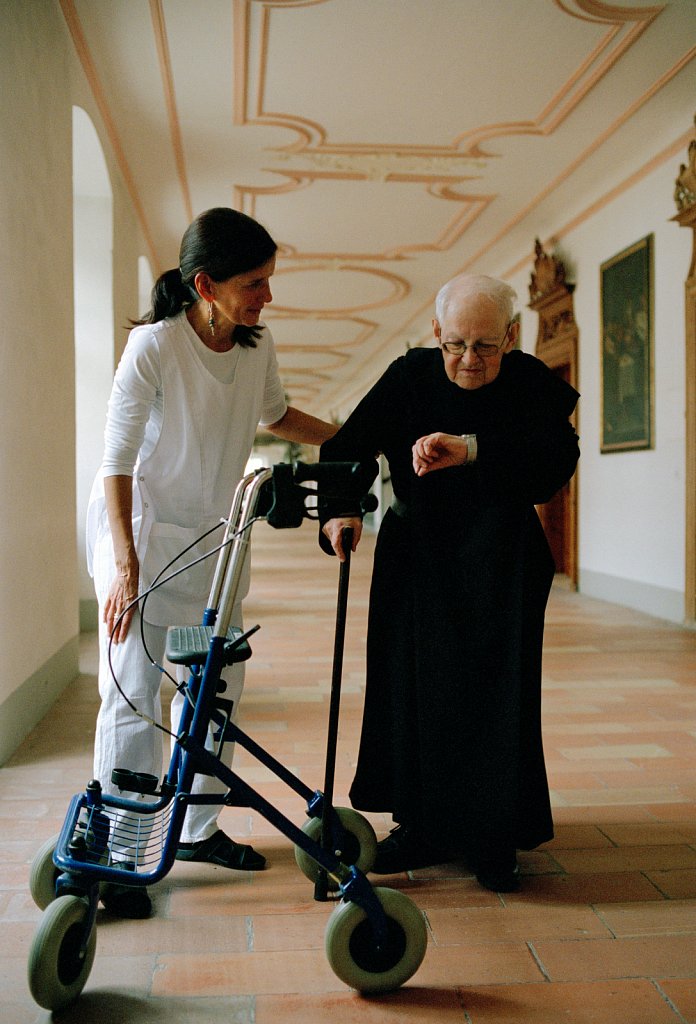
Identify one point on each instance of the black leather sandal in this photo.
(221, 850)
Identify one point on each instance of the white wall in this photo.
(40, 82)
(94, 344)
(631, 504)
(631, 522)
(145, 283)
(38, 585)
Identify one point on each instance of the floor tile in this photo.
(663, 955)
(672, 917)
(674, 884)
(601, 931)
(469, 963)
(514, 921)
(595, 1002)
(411, 1004)
(682, 995)
(627, 858)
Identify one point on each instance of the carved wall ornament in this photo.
(685, 185)
(548, 274)
(551, 326)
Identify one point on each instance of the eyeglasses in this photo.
(482, 349)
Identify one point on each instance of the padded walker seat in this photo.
(189, 645)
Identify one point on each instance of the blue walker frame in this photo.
(82, 855)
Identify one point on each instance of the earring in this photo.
(211, 319)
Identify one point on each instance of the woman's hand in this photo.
(122, 591)
(438, 451)
(118, 492)
(334, 528)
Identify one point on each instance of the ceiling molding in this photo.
(312, 136)
(599, 11)
(328, 121)
(165, 65)
(582, 157)
(400, 288)
(366, 328)
(475, 205)
(89, 67)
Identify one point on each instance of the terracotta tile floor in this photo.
(603, 930)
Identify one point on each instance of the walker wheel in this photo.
(358, 846)
(57, 973)
(43, 874)
(355, 958)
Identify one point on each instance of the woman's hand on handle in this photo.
(334, 528)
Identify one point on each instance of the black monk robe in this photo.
(451, 738)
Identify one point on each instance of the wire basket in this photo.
(114, 836)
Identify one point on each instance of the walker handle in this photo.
(332, 478)
(335, 481)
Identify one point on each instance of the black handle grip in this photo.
(334, 477)
(369, 503)
(283, 498)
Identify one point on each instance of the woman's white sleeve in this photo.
(135, 390)
(274, 403)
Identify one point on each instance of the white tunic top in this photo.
(184, 425)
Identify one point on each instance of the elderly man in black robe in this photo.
(476, 433)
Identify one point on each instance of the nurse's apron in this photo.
(186, 484)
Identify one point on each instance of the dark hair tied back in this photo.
(221, 243)
(169, 296)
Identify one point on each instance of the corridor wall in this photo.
(631, 511)
(40, 81)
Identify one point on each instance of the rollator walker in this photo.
(375, 938)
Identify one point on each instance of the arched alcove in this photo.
(94, 327)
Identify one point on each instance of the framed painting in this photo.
(626, 285)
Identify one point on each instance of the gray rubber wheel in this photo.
(359, 845)
(43, 874)
(351, 951)
(56, 972)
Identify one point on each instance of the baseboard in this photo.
(660, 602)
(28, 704)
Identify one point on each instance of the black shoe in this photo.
(500, 874)
(221, 850)
(131, 901)
(405, 850)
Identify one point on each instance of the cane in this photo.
(321, 884)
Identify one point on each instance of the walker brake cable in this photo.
(157, 583)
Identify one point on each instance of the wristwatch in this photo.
(471, 446)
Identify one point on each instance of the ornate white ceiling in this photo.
(386, 144)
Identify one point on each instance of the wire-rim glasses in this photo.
(482, 349)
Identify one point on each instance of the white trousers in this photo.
(123, 739)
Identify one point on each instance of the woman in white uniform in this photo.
(197, 376)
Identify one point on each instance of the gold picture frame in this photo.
(626, 288)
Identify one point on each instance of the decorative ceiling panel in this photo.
(386, 144)
(366, 220)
